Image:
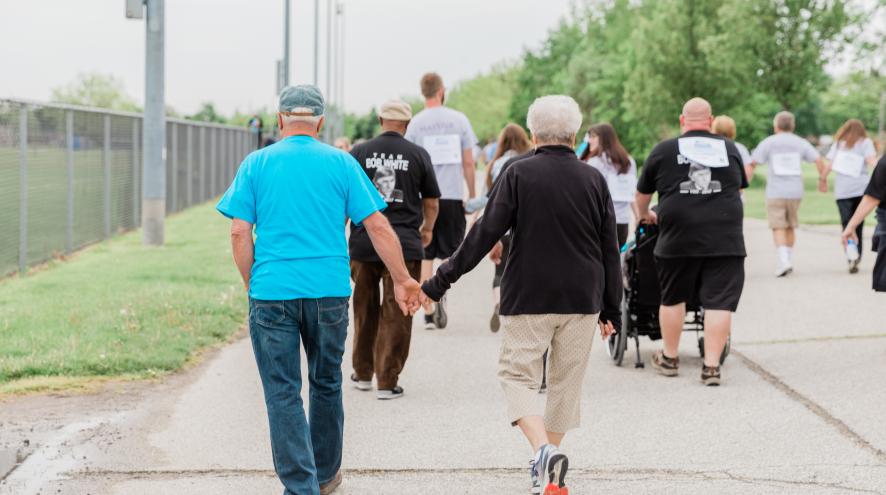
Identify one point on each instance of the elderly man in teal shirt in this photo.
(298, 194)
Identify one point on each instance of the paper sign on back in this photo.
(444, 148)
(709, 152)
(848, 163)
(786, 163)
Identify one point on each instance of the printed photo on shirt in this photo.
(700, 181)
(385, 181)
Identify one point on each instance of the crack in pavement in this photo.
(838, 424)
(619, 474)
(813, 339)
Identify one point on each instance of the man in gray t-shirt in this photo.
(784, 153)
(447, 136)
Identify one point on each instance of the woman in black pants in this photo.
(850, 157)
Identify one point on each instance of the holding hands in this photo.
(408, 295)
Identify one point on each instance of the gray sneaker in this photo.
(439, 315)
(550, 469)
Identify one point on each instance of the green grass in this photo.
(119, 309)
(817, 208)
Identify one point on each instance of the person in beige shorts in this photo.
(562, 280)
(784, 153)
(783, 213)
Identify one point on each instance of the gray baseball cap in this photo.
(304, 99)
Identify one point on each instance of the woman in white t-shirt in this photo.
(605, 153)
(851, 156)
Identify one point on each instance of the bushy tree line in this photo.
(634, 62)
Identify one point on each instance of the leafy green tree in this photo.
(544, 71)
(95, 89)
(208, 113)
(857, 96)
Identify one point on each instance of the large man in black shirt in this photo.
(562, 277)
(403, 174)
(700, 251)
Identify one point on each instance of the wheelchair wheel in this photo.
(722, 354)
(618, 342)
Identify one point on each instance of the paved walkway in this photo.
(801, 410)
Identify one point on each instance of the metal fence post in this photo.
(189, 194)
(213, 160)
(202, 163)
(136, 191)
(69, 139)
(106, 162)
(174, 165)
(23, 189)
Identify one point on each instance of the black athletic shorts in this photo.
(449, 230)
(714, 283)
(500, 268)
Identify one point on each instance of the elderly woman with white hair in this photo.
(561, 280)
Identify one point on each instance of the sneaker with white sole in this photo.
(783, 270)
(359, 384)
(393, 393)
(439, 316)
(429, 322)
(550, 468)
(666, 366)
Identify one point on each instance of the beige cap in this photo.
(395, 110)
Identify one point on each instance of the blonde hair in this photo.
(851, 132)
(724, 126)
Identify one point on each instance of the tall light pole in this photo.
(340, 60)
(316, 42)
(286, 43)
(154, 127)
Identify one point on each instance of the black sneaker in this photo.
(665, 365)
(439, 315)
(710, 375)
(853, 265)
(429, 321)
(495, 321)
(394, 393)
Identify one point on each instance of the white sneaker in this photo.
(363, 385)
(394, 393)
(783, 270)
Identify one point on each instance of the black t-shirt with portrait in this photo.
(403, 174)
(700, 212)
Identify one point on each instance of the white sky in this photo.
(224, 51)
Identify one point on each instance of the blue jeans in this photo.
(307, 452)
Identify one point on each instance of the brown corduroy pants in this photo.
(381, 332)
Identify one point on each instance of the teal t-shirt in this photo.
(299, 194)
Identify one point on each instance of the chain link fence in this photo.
(71, 176)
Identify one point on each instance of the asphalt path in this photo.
(801, 409)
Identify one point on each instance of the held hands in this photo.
(407, 295)
(606, 329)
(823, 184)
(496, 253)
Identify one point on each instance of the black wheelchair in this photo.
(639, 308)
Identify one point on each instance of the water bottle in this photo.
(852, 250)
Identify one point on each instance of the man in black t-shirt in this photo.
(403, 174)
(874, 197)
(700, 250)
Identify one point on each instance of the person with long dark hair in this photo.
(851, 156)
(606, 153)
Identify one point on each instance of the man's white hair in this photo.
(554, 119)
(289, 119)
